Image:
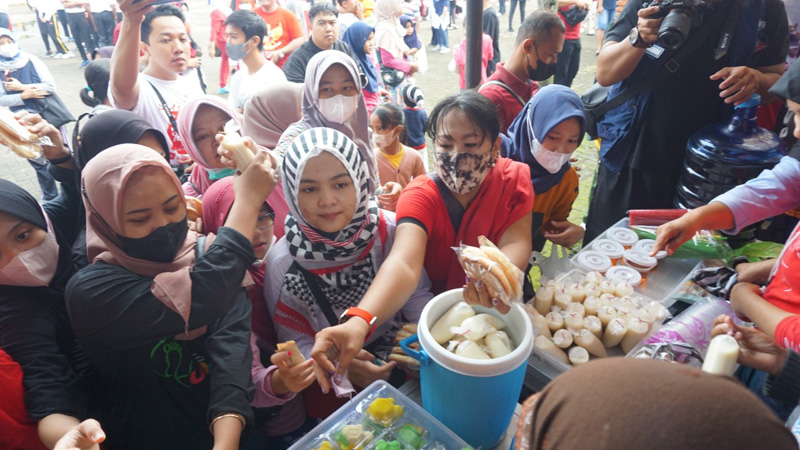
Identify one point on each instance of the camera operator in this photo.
(742, 52)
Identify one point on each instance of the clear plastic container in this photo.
(591, 260)
(639, 260)
(625, 236)
(412, 428)
(608, 247)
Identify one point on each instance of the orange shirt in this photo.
(554, 205)
(282, 28)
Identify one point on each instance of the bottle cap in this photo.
(593, 261)
(624, 274)
(624, 236)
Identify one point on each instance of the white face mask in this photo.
(34, 267)
(338, 108)
(550, 160)
(382, 140)
(9, 50)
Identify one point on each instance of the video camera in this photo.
(677, 22)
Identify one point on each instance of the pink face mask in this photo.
(35, 267)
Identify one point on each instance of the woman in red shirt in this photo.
(473, 192)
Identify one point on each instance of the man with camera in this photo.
(691, 61)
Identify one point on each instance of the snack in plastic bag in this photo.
(240, 153)
(19, 140)
(503, 280)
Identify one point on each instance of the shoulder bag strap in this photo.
(454, 209)
(165, 107)
(671, 66)
(504, 86)
(316, 290)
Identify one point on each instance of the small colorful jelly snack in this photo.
(324, 446)
(382, 411)
(353, 437)
(291, 347)
(391, 445)
(411, 435)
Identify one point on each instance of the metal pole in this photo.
(472, 71)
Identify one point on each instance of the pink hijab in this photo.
(270, 112)
(199, 178)
(104, 179)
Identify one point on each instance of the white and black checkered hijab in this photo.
(315, 252)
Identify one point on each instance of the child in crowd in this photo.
(493, 197)
(396, 162)
(361, 39)
(276, 382)
(460, 57)
(416, 120)
(544, 135)
(161, 308)
(95, 94)
(336, 240)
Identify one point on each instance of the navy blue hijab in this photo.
(355, 36)
(413, 40)
(550, 106)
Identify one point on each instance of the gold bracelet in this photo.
(237, 416)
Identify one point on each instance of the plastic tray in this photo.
(551, 367)
(435, 435)
(662, 282)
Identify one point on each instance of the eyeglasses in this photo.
(265, 221)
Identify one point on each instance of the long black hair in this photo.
(479, 110)
(391, 115)
(96, 74)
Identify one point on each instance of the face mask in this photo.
(9, 50)
(218, 174)
(34, 267)
(550, 160)
(236, 52)
(162, 245)
(338, 108)
(542, 71)
(463, 172)
(382, 140)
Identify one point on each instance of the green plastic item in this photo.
(411, 435)
(757, 251)
(391, 445)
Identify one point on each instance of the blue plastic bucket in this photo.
(474, 398)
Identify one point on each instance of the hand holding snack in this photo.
(291, 377)
(84, 436)
(494, 281)
(18, 138)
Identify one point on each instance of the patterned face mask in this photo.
(463, 172)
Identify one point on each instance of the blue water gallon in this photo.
(722, 156)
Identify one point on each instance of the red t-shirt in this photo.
(504, 197)
(282, 28)
(573, 31)
(18, 430)
(783, 291)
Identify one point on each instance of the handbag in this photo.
(574, 15)
(391, 77)
(54, 111)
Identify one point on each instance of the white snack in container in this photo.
(555, 321)
(498, 344)
(590, 342)
(543, 299)
(573, 321)
(615, 332)
(576, 308)
(592, 305)
(546, 345)
(637, 330)
(562, 299)
(440, 332)
(593, 324)
(605, 314)
(721, 356)
(563, 339)
(476, 327)
(538, 321)
(593, 277)
(578, 356)
(470, 349)
(607, 287)
(576, 292)
(18, 138)
(591, 290)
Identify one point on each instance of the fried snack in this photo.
(512, 272)
(19, 140)
(404, 360)
(291, 346)
(240, 153)
(485, 269)
(194, 208)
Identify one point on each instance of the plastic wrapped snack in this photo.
(240, 153)
(17, 138)
(503, 280)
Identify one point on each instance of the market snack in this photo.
(563, 339)
(240, 153)
(546, 345)
(383, 411)
(324, 446)
(555, 321)
(590, 342)
(476, 327)
(538, 321)
(291, 347)
(578, 356)
(470, 349)
(498, 344)
(440, 332)
(390, 445)
(351, 437)
(18, 138)
(490, 266)
(593, 324)
(543, 299)
(615, 331)
(512, 272)
(637, 330)
(194, 208)
(562, 299)
(411, 435)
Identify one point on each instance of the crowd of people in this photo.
(143, 301)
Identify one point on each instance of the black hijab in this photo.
(111, 128)
(788, 88)
(21, 204)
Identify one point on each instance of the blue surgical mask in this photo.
(236, 52)
(218, 174)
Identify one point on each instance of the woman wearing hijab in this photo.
(276, 383)
(270, 111)
(389, 35)
(544, 136)
(336, 239)
(360, 37)
(635, 403)
(474, 192)
(160, 311)
(35, 331)
(332, 98)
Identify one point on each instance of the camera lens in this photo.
(675, 28)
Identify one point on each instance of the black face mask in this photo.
(162, 245)
(542, 71)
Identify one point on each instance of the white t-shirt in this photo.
(99, 5)
(243, 85)
(176, 93)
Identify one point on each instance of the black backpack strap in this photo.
(313, 283)
(165, 107)
(200, 247)
(504, 86)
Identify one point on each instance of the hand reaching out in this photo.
(290, 378)
(756, 349)
(84, 436)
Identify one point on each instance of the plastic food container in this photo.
(380, 417)
(639, 260)
(646, 246)
(592, 260)
(608, 247)
(624, 236)
(624, 274)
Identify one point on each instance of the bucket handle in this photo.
(420, 355)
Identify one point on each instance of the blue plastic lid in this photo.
(753, 102)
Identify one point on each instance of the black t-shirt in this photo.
(295, 66)
(687, 100)
(491, 26)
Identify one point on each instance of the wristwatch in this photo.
(636, 39)
(358, 312)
